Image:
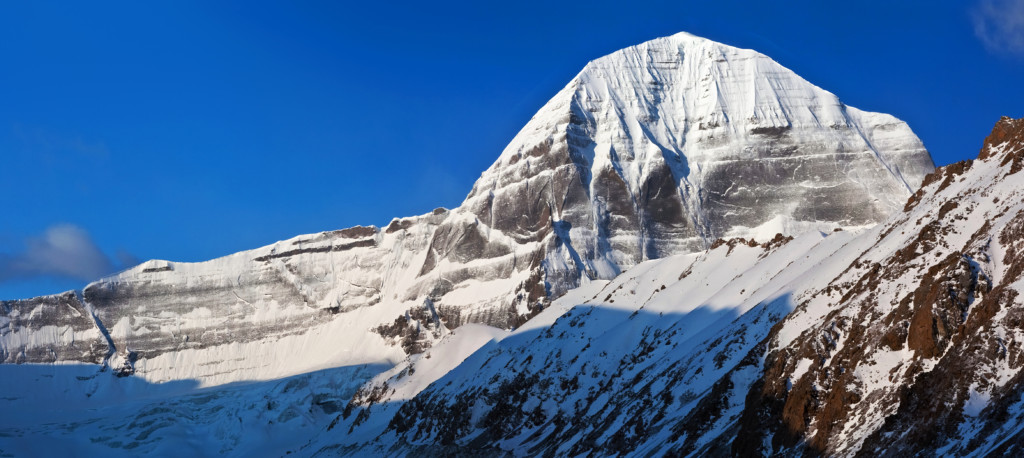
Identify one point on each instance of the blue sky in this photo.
(191, 130)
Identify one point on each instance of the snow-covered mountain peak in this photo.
(698, 80)
(656, 150)
(666, 146)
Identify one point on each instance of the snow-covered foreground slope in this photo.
(71, 410)
(902, 339)
(652, 151)
(645, 347)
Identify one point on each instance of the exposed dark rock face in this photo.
(955, 334)
(419, 326)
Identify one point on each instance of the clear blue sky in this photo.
(191, 130)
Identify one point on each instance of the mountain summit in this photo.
(655, 150)
(664, 147)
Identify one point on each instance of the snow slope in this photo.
(899, 339)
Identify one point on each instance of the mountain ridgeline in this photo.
(655, 150)
(688, 251)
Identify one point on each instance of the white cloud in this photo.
(63, 250)
(999, 24)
